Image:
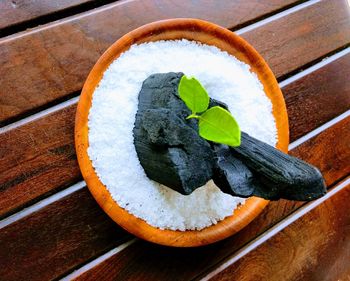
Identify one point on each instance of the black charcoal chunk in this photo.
(231, 175)
(214, 102)
(168, 146)
(172, 153)
(281, 175)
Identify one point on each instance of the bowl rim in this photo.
(189, 238)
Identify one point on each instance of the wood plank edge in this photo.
(324, 62)
(27, 115)
(319, 130)
(77, 272)
(113, 3)
(262, 238)
(312, 63)
(269, 17)
(41, 204)
(280, 14)
(38, 115)
(44, 19)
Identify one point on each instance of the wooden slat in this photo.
(18, 11)
(31, 179)
(145, 261)
(37, 158)
(315, 247)
(56, 239)
(14, 12)
(141, 260)
(272, 217)
(325, 91)
(330, 154)
(22, 174)
(306, 35)
(47, 64)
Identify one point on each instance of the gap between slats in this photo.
(276, 16)
(53, 16)
(41, 204)
(98, 260)
(312, 63)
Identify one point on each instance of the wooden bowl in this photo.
(208, 33)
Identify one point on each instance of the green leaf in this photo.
(218, 125)
(193, 94)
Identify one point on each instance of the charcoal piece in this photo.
(168, 146)
(301, 182)
(172, 153)
(231, 175)
(281, 175)
(214, 102)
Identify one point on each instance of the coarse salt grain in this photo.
(112, 116)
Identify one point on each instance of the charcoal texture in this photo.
(281, 175)
(172, 153)
(231, 175)
(168, 145)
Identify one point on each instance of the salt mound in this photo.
(112, 117)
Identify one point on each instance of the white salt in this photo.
(112, 117)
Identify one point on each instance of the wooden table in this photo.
(51, 227)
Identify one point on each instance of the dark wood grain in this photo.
(52, 62)
(315, 247)
(329, 151)
(31, 254)
(37, 158)
(318, 90)
(14, 12)
(305, 35)
(325, 91)
(144, 260)
(57, 238)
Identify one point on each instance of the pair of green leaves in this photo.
(216, 123)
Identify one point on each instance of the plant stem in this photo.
(193, 115)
